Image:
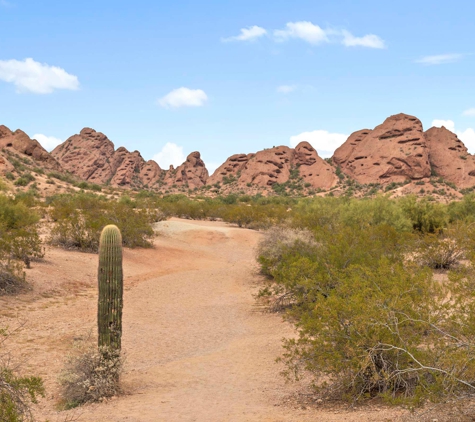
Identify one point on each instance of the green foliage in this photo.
(385, 330)
(355, 277)
(110, 281)
(426, 216)
(79, 218)
(17, 394)
(19, 240)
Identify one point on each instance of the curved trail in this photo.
(197, 349)
(196, 346)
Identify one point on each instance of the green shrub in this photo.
(78, 220)
(17, 393)
(389, 332)
(19, 236)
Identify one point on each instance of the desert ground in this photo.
(197, 346)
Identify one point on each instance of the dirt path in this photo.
(197, 348)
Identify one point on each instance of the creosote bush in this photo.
(78, 220)
(19, 242)
(358, 285)
(17, 393)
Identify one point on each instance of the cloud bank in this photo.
(247, 34)
(323, 141)
(171, 154)
(439, 59)
(467, 136)
(47, 142)
(312, 34)
(183, 97)
(38, 78)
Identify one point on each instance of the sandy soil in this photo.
(197, 347)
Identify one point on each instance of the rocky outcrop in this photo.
(20, 142)
(192, 173)
(393, 152)
(230, 169)
(275, 165)
(90, 155)
(313, 169)
(87, 155)
(449, 157)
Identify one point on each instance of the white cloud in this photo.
(39, 78)
(448, 124)
(212, 166)
(170, 154)
(370, 40)
(469, 112)
(247, 34)
(467, 136)
(439, 59)
(304, 30)
(183, 97)
(286, 89)
(323, 141)
(47, 142)
(314, 34)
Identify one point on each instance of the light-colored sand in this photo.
(197, 347)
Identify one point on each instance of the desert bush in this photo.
(78, 220)
(439, 253)
(387, 331)
(17, 393)
(19, 237)
(426, 216)
(90, 376)
(358, 285)
(12, 277)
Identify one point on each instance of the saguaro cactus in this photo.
(110, 280)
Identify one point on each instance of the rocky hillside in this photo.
(18, 144)
(397, 152)
(91, 156)
(277, 165)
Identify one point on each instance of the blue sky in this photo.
(169, 78)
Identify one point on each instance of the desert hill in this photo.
(397, 152)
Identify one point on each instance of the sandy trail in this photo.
(197, 348)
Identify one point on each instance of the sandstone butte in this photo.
(91, 156)
(395, 151)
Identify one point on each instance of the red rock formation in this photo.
(393, 152)
(191, 173)
(87, 155)
(91, 156)
(268, 167)
(231, 168)
(20, 142)
(274, 165)
(449, 157)
(313, 169)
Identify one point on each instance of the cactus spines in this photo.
(110, 280)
